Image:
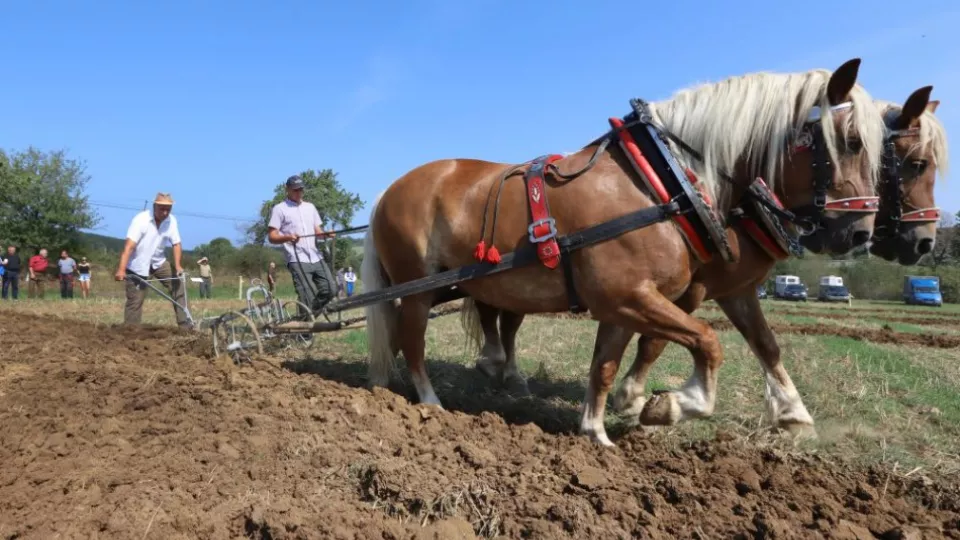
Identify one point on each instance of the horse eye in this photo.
(919, 165)
(854, 145)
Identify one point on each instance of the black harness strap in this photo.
(527, 255)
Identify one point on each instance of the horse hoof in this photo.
(629, 407)
(601, 439)
(516, 386)
(799, 431)
(488, 369)
(661, 410)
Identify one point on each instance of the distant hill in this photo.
(108, 244)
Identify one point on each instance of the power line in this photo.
(178, 213)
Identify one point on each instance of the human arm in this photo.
(318, 226)
(121, 273)
(275, 237)
(177, 255)
(273, 229)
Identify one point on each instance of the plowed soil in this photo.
(134, 433)
(886, 316)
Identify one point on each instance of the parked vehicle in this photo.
(922, 290)
(794, 291)
(832, 290)
(781, 283)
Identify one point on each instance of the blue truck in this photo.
(922, 290)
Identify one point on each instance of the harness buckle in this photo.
(820, 200)
(552, 232)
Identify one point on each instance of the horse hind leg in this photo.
(412, 328)
(513, 381)
(479, 321)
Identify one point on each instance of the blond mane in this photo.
(753, 119)
(932, 137)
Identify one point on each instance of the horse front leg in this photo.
(645, 310)
(630, 398)
(608, 349)
(785, 408)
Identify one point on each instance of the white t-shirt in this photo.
(151, 241)
(349, 277)
(301, 219)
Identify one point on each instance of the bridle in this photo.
(894, 174)
(808, 219)
(811, 138)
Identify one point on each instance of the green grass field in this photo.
(899, 404)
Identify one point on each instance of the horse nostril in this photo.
(861, 237)
(925, 246)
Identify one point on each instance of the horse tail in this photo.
(383, 317)
(470, 322)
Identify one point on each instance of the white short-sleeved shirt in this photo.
(151, 241)
(301, 219)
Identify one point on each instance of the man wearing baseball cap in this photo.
(289, 221)
(149, 233)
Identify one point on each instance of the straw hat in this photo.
(163, 199)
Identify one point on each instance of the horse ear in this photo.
(842, 81)
(913, 107)
(932, 106)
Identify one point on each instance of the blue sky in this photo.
(217, 102)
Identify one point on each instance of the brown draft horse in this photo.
(430, 219)
(906, 230)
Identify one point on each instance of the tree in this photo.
(947, 246)
(42, 200)
(219, 249)
(335, 205)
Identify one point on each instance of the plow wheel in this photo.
(235, 334)
(295, 311)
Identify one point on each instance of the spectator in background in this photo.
(38, 268)
(68, 267)
(11, 273)
(340, 288)
(83, 268)
(350, 278)
(206, 277)
(272, 277)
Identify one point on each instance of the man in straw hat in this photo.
(149, 233)
(206, 277)
(289, 221)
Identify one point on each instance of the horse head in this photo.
(915, 149)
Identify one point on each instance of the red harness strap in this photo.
(646, 172)
(543, 228)
(760, 234)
